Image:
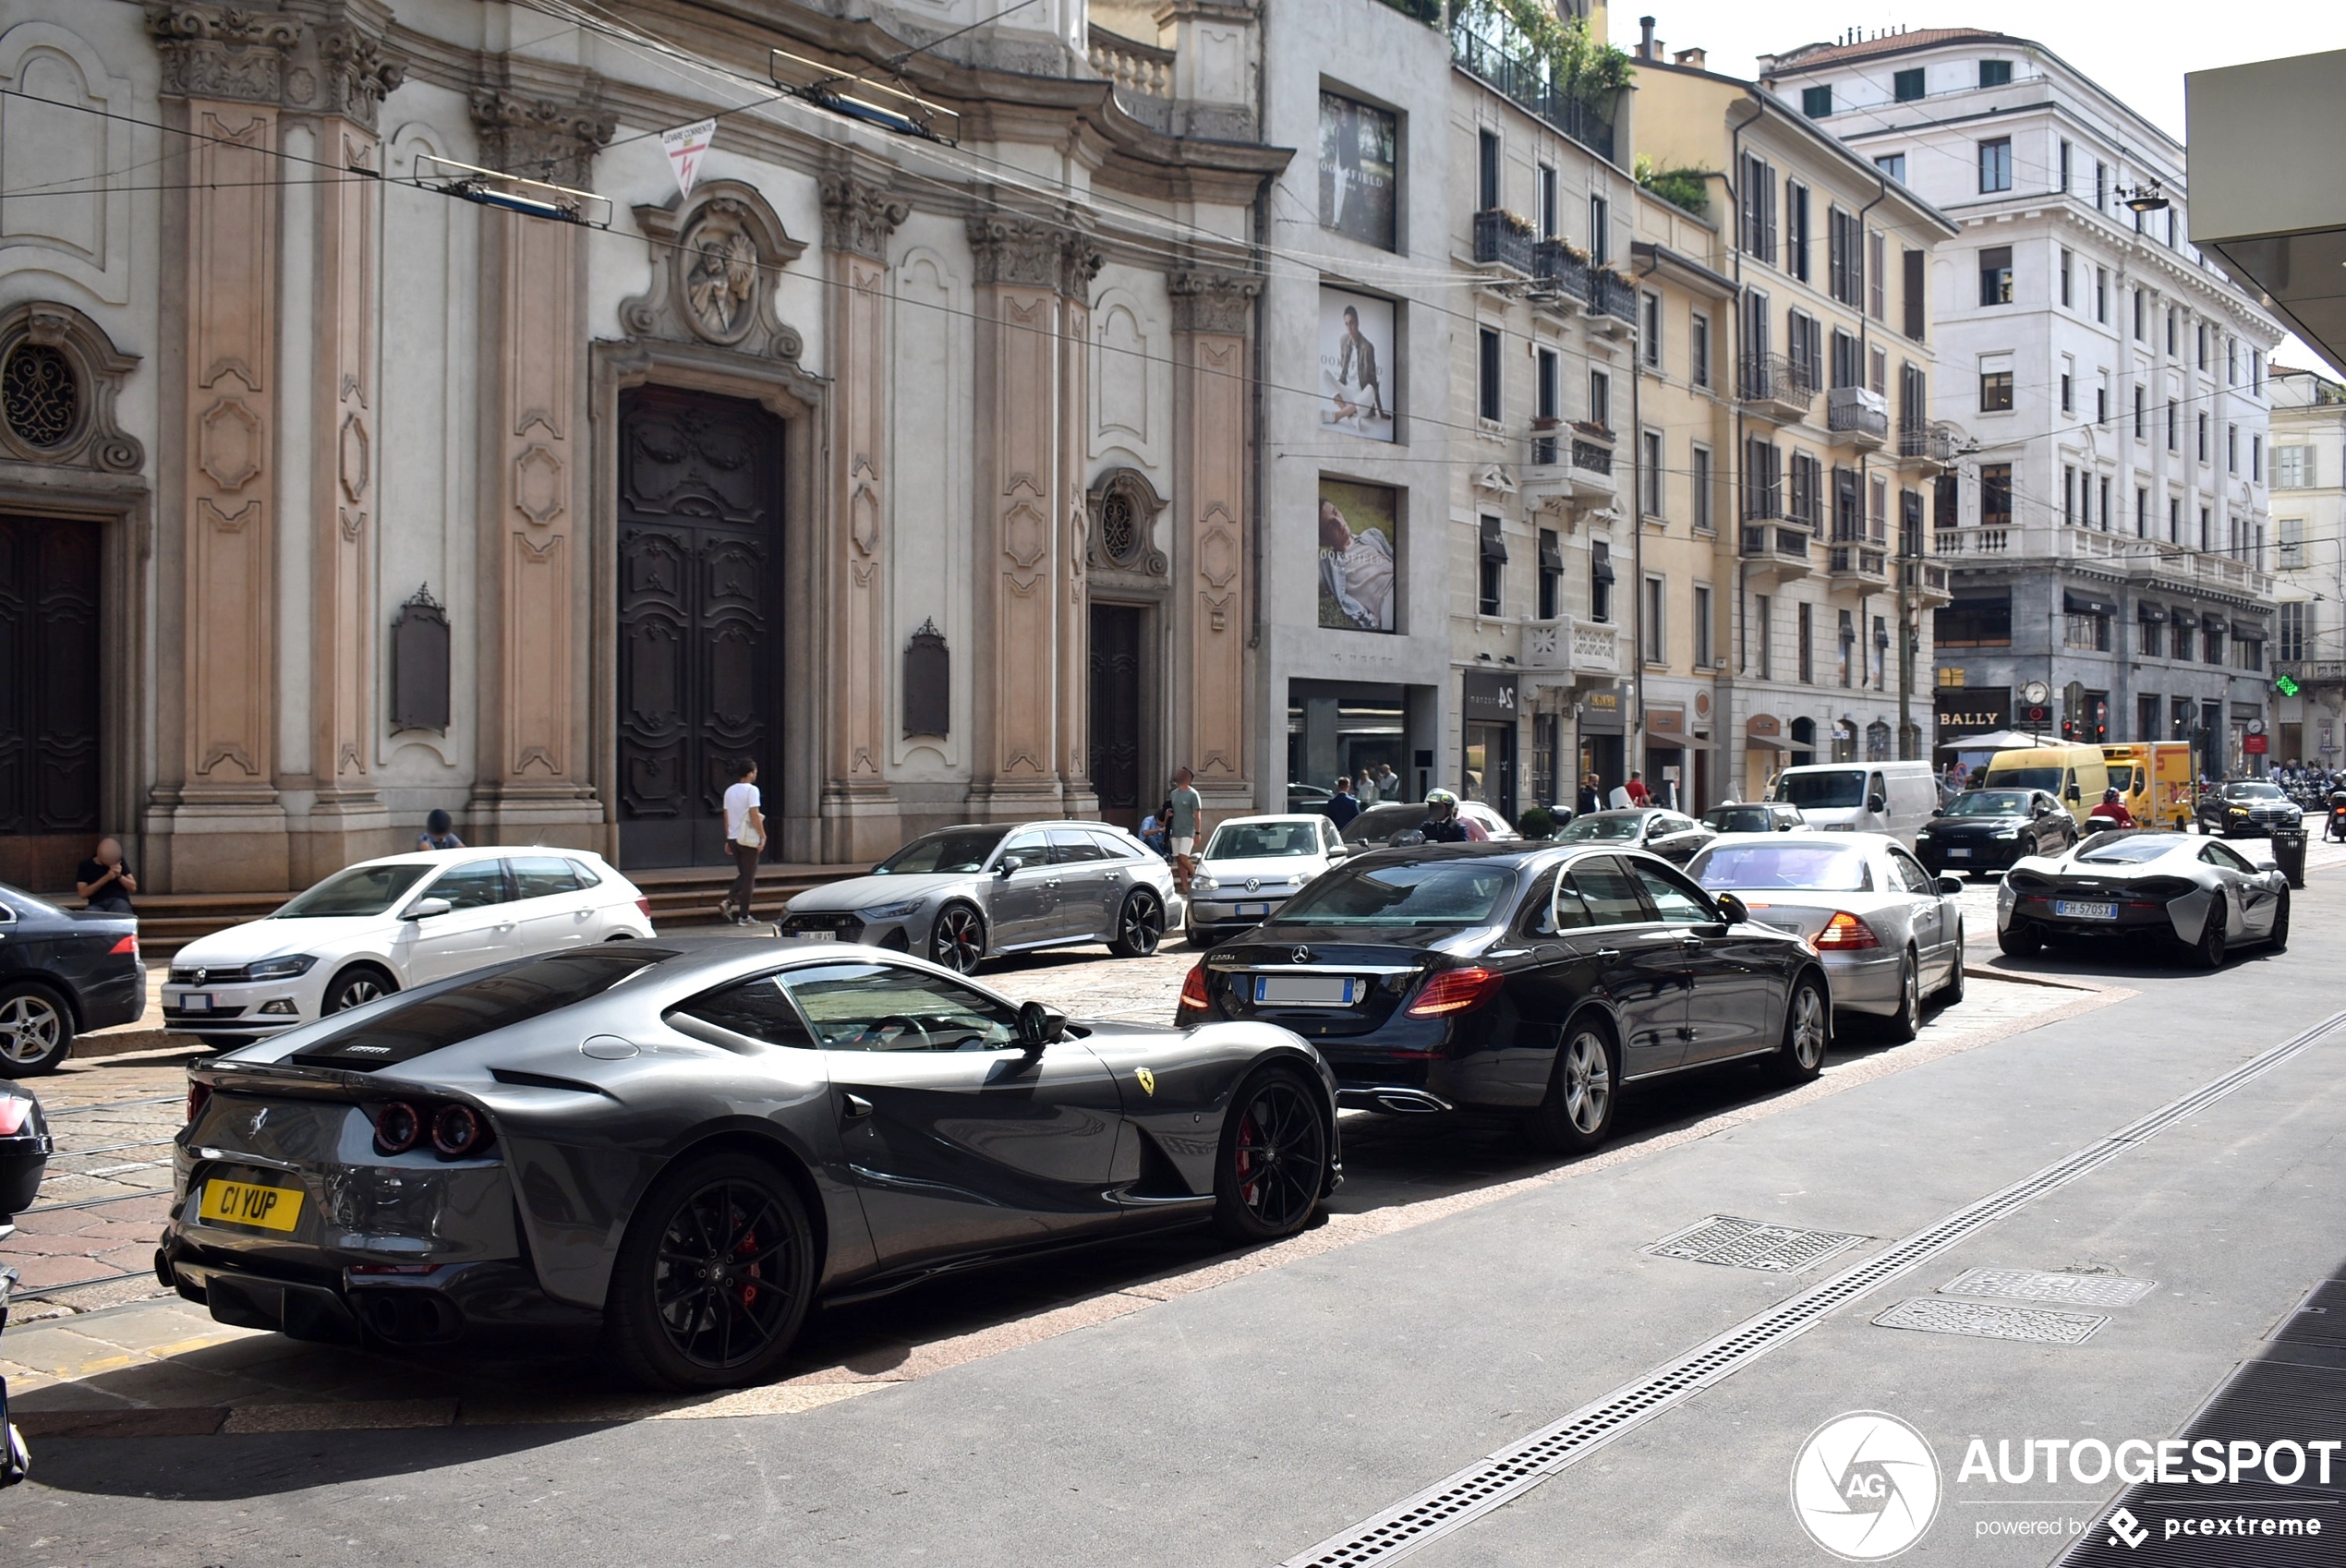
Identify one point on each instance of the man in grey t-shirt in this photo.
(1181, 837)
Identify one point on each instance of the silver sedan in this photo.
(962, 895)
(1889, 930)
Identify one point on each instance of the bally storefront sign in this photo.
(1973, 710)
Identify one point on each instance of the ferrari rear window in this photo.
(433, 1020)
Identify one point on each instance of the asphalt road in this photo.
(1181, 1407)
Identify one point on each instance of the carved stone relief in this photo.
(1021, 253)
(541, 139)
(58, 340)
(1213, 300)
(329, 59)
(1120, 545)
(858, 216)
(714, 261)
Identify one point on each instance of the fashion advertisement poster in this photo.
(1357, 177)
(1356, 360)
(1359, 547)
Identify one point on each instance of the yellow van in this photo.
(2075, 776)
(2154, 779)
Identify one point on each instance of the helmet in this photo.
(2109, 796)
(1442, 801)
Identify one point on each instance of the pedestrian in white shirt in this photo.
(745, 837)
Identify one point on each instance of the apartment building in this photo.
(1818, 328)
(1544, 589)
(2309, 568)
(1357, 422)
(2107, 526)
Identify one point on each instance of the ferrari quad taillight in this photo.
(197, 1095)
(397, 1125)
(458, 1130)
(452, 1130)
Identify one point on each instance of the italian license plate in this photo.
(1959, 854)
(1257, 911)
(194, 1002)
(1308, 990)
(815, 935)
(251, 1204)
(2072, 908)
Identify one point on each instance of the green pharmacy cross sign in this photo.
(2285, 684)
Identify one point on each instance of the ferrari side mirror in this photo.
(1038, 1025)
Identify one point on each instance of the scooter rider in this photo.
(1443, 824)
(2112, 811)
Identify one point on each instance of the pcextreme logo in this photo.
(1865, 1486)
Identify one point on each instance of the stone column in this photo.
(1213, 317)
(531, 772)
(860, 814)
(227, 828)
(1020, 269)
(1080, 265)
(347, 821)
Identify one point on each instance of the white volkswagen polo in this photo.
(385, 924)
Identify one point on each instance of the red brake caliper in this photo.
(1246, 1158)
(748, 1248)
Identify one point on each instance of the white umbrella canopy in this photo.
(1994, 740)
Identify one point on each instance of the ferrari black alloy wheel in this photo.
(1274, 1158)
(959, 941)
(2281, 926)
(1140, 928)
(714, 1277)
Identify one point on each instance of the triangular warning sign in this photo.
(685, 146)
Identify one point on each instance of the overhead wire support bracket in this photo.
(861, 98)
(512, 193)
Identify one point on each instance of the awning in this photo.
(2076, 603)
(2211, 623)
(1493, 547)
(2151, 612)
(1551, 552)
(1764, 744)
(2247, 632)
(1601, 571)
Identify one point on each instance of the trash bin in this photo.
(2289, 853)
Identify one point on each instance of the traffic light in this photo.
(2285, 684)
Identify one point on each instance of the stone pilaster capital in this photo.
(1213, 299)
(1080, 263)
(858, 216)
(357, 71)
(541, 139)
(222, 51)
(1028, 254)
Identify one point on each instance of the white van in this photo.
(1895, 798)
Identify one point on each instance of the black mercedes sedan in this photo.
(62, 971)
(2249, 806)
(1529, 980)
(1986, 830)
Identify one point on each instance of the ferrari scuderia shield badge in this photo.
(1147, 1081)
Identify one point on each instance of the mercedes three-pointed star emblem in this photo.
(1301, 954)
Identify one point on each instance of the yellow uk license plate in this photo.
(248, 1203)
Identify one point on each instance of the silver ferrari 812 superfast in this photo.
(678, 1148)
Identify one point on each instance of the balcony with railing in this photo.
(1859, 418)
(2149, 562)
(1778, 547)
(1931, 445)
(1501, 239)
(1858, 563)
(1560, 275)
(1531, 84)
(1926, 581)
(1772, 387)
(1570, 645)
(1570, 464)
(1610, 294)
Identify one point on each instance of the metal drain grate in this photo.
(2027, 1284)
(1748, 1244)
(1989, 1319)
(1459, 1499)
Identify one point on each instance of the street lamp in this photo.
(2143, 198)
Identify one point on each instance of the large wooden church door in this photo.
(700, 515)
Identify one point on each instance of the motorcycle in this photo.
(2336, 826)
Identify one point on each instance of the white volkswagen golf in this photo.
(385, 924)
